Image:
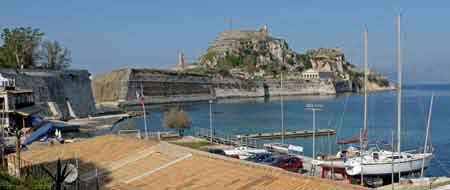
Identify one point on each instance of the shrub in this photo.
(177, 119)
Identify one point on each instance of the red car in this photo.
(290, 163)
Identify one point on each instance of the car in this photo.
(290, 163)
(271, 159)
(217, 151)
(259, 157)
(221, 152)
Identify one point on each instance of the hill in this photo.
(256, 54)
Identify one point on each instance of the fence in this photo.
(28, 169)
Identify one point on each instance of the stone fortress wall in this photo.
(56, 91)
(161, 87)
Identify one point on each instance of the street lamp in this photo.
(314, 108)
(210, 121)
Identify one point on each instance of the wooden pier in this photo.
(291, 134)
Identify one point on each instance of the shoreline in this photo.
(124, 106)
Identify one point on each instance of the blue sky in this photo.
(105, 35)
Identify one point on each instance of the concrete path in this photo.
(445, 187)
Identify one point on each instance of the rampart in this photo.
(57, 91)
(121, 87)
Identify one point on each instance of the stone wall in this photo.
(300, 87)
(230, 88)
(59, 88)
(159, 87)
(163, 87)
(344, 86)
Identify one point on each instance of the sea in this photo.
(343, 113)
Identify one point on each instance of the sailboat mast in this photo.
(399, 85)
(427, 133)
(366, 41)
(399, 89)
(282, 109)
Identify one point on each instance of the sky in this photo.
(105, 35)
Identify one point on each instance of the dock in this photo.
(291, 134)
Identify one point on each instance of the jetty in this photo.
(291, 134)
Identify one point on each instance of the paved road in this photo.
(445, 187)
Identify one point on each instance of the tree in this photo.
(20, 47)
(54, 56)
(177, 119)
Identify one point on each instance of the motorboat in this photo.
(284, 148)
(243, 152)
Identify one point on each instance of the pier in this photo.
(291, 134)
(251, 140)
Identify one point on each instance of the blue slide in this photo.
(39, 133)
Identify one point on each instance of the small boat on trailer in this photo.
(284, 148)
(243, 152)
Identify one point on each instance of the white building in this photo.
(310, 74)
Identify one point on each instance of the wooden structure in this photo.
(291, 134)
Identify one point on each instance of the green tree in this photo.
(54, 56)
(177, 119)
(20, 47)
(306, 60)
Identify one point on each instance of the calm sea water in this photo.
(343, 113)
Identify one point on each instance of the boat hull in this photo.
(386, 168)
(330, 163)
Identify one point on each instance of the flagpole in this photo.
(143, 110)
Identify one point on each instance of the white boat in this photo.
(244, 152)
(383, 162)
(284, 148)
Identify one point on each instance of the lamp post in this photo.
(210, 121)
(144, 111)
(314, 108)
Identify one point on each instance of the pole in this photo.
(3, 118)
(426, 134)
(366, 36)
(392, 156)
(97, 185)
(361, 155)
(145, 114)
(210, 121)
(282, 110)
(399, 89)
(329, 153)
(314, 134)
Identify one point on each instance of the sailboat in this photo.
(282, 147)
(337, 163)
(379, 162)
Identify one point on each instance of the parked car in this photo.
(221, 152)
(217, 151)
(258, 158)
(290, 163)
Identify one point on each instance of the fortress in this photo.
(57, 92)
(163, 87)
